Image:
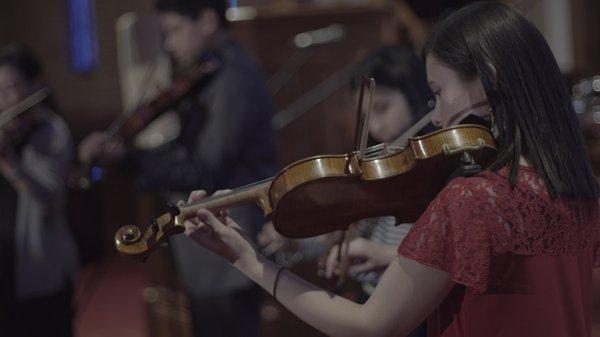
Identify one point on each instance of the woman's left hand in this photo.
(220, 234)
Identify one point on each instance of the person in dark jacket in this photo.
(226, 141)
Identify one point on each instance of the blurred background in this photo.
(92, 51)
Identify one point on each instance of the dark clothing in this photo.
(38, 259)
(226, 138)
(8, 207)
(53, 315)
(226, 141)
(213, 316)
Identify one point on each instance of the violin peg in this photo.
(173, 209)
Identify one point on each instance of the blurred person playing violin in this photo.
(401, 97)
(507, 252)
(38, 257)
(226, 140)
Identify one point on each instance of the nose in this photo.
(4, 101)
(436, 117)
(167, 45)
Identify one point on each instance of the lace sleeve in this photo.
(452, 235)
(597, 255)
(597, 244)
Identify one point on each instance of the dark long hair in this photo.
(191, 8)
(22, 58)
(529, 99)
(398, 67)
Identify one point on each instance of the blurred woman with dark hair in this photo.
(507, 252)
(38, 258)
(402, 95)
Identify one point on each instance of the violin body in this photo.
(137, 120)
(129, 124)
(326, 193)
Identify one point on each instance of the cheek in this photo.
(9, 98)
(12, 127)
(454, 100)
(395, 121)
(179, 42)
(398, 114)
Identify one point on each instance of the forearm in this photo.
(22, 181)
(406, 293)
(329, 313)
(12, 174)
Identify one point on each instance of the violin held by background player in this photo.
(99, 149)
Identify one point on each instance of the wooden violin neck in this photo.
(256, 193)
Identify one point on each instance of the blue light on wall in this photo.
(233, 3)
(83, 37)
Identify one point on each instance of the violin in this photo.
(325, 193)
(128, 125)
(17, 134)
(16, 124)
(131, 123)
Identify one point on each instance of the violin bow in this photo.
(23, 105)
(402, 140)
(366, 125)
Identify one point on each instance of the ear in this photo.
(492, 68)
(208, 21)
(493, 72)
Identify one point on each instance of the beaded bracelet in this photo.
(276, 282)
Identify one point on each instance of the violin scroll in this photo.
(137, 243)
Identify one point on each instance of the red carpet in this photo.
(108, 299)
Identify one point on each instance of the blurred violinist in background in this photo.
(226, 140)
(401, 98)
(38, 257)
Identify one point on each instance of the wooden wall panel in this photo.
(329, 126)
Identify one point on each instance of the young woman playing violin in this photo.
(508, 252)
(38, 256)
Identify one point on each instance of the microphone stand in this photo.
(313, 97)
(289, 69)
(305, 47)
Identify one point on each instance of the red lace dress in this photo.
(521, 261)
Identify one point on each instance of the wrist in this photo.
(252, 266)
(383, 254)
(262, 271)
(389, 253)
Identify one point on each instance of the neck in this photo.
(218, 39)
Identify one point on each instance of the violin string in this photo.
(400, 141)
